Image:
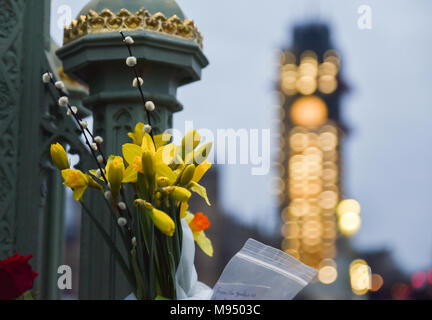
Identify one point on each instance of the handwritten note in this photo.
(238, 291)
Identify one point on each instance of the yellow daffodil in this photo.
(59, 156)
(138, 134)
(162, 155)
(199, 222)
(78, 182)
(115, 173)
(161, 220)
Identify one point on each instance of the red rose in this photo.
(16, 276)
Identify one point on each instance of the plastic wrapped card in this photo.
(260, 272)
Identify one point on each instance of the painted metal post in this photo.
(31, 195)
(169, 55)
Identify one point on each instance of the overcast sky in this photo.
(387, 156)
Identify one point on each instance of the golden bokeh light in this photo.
(327, 274)
(309, 111)
(360, 277)
(349, 223)
(348, 205)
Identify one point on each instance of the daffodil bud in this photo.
(143, 204)
(163, 222)
(163, 182)
(147, 164)
(178, 193)
(115, 172)
(190, 141)
(187, 174)
(201, 154)
(59, 156)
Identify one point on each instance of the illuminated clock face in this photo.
(309, 111)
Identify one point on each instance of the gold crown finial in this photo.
(107, 21)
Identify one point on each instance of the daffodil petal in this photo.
(130, 152)
(161, 139)
(183, 209)
(204, 243)
(200, 190)
(78, 193)
(162, 170)
(130, 175)
(166, 154)
(147, 143)
(200, 170)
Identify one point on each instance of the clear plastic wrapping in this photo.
(261, 272)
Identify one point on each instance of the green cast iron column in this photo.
(165, 62)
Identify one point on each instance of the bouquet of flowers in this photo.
(162, 176)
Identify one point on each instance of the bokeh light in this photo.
(309, 111)
(360, 277)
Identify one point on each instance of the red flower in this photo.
(16, 276)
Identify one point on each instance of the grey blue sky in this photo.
(387, 156)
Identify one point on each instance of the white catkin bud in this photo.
(131, 61)
(100, 159)
(83, 124)
(74, 109)
(134, 241)
(109, 185)
(68, 112)
(98, 139)
(60, 85)
(108, 195)
(150, 106)
(147, 128)
(46, 77)
(98, 173)
(63, 101)
(122, 222)
(129, 40)
(135, 82)
(122, 205)
(94, 146)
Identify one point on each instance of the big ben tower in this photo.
(311, 132)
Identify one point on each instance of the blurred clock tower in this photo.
(309, 166)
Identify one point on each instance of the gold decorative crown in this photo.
(107, 21)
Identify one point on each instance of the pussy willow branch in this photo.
(139, 86)
(84, 131)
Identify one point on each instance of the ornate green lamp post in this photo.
(169, 53)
